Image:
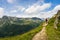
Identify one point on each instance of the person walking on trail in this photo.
(46, 20)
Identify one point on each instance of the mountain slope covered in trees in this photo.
(12, 26)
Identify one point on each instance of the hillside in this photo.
(11, 26)
(26, 36)
(53, 28)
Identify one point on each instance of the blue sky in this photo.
(29, 8)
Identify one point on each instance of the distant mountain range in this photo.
(10, 26)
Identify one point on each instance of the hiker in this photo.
(46, 20)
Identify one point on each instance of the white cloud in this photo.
(17, 9)
(32, 11)
(56, 8)
(42, 14)
(10, 1)
(13, 11)
(26, 16)
(35, 8)
(20, 8)
(1, 10)
(45, 14)
(50, 13)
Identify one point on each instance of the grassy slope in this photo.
(52, 33)
(27, 36)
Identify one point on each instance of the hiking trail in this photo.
(42, 34)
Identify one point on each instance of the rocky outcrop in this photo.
(57, 16)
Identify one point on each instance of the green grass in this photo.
(52, 33)
(26, 36)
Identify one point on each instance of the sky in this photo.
(29, 8)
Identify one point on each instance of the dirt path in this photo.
(42, 34)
